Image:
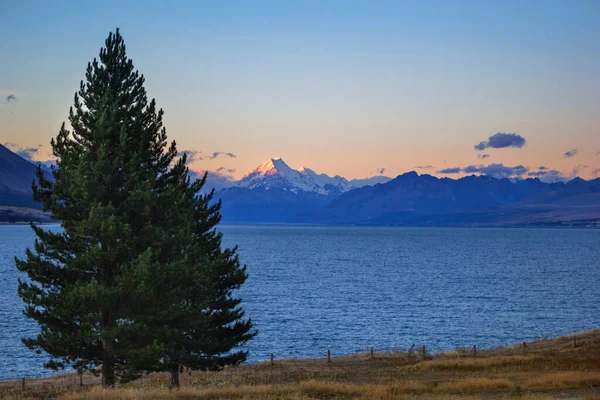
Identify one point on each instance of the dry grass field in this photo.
(543, 369)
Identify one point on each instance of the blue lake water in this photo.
(349, 288)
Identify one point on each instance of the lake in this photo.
(349, 288)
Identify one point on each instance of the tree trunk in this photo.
(174, 377)
(108, 364)
(108, 359)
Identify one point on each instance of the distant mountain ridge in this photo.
(421, 200)
(16, 196)
(275, 193)
(16, 176)
(276, 174)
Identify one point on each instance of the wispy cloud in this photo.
(542, 173)
(217, 154)
(548, 175)
(223, 170)
(11, 98)
(497, 170)
(482, 156)
(501, 140)
(214, 180)
(575, 172)
(596, 173)
(571, 153)
(196, 155)
(192, 155)
(551, 175)
(26, 152)
(448, 171)
(378, 171)
(423, 167)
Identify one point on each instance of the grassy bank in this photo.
(543, 369)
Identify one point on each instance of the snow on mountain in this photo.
(276, 174)
(325, 180)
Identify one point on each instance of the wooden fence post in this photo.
(371, 353)
(411, 349)
(328, 355)
(474, 350)
(424, 351)
(272, 362)
(22, 383)
(80, 378)
(574, 341)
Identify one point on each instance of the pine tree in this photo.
(111, 190)
(198, 321)
(137, 280)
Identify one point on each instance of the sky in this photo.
(354, 88)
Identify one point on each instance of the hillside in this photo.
(16, 176)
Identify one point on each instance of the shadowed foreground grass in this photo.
(543, 369)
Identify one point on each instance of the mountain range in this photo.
(276, 193)
(275, 173)
(425, 200)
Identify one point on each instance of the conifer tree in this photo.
(137, 280)
(110, 189)
(197, 321)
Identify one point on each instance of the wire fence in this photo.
(283, 368)
(255, 372)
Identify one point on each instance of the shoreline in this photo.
(544, 369)
(308, 225)
(417, 353)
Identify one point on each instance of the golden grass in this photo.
(563, 380)
(548, 369)
(478, 363)
(303, 390)
(473, 385)
(314, 390)
(254, 392)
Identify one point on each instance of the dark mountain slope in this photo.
(16, 175)
(267, 206)
(411, 199)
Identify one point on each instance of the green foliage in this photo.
(136, 280)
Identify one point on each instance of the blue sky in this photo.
(341, 87)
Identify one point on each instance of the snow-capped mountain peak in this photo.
(276, 174)
(272, 167)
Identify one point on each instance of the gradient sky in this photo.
(345, 87)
